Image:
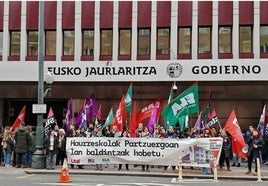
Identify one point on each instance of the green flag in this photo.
(109, 119)
(184, 104)
(128, 99)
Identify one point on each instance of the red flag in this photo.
(146, 111)
(20, 119)
(99, 114)
(133, 123)
(120, 115)
(238, 142)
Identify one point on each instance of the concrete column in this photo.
(134, 38)
(77, 31)
(215, 28)
(153, 30)
(23, 32)
(174, 31)
(6, 37)
(59, 43)
(256, 30)
(97, 31)
(195, 30)
(115, 31)
(235, 30)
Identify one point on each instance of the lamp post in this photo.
(38, 156)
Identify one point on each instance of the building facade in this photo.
(101, 47)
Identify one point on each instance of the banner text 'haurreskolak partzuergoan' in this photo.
(199, 152)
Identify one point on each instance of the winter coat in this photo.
(32, 142)
(9, 145)
(255, 152)
(22, 138)
(55, 144)
(226, 147)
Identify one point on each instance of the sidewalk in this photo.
(236, 173)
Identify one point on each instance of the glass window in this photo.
(225, 41)
(32, 43)
(264, 39)
(1, 43)
(245, 39)
(106, 42)
(125, 42)
(88, 42)
(51, 43)
(144, 41)
(15, 43)
(204, 40)
(68, 42)
(163, 41)
(184, 41)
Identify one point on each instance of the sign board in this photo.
(39, 108)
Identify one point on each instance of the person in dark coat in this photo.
(226, 150)
(51, 149)
(255, 144)
(22, 138)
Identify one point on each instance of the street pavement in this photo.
(236, 173)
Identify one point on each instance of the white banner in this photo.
(197, 152)
(134, 71)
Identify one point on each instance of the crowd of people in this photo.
(17, 147)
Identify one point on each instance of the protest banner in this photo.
(196, 152)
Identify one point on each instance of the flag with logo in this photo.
(83, 123)
(120, 115)
(20, 118)
(51, 121)
(152, 121)
(184, 104)
(91, 107)
(147, 110)
(212, 118)
(68, 116)
(128, 99)
(238, 141)
(262, 121)
(109, 119)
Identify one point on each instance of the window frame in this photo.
(190, 42)
(210, 39)
(158, 49)
(148, 48)
(10, 46)
(87, 51)
(63, 43)
(120, 44)
(230, 38)
(28, 43)
(101, 42)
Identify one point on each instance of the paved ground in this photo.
(236, 173)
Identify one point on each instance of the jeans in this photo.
(205, 170)
(51, 160)
(7, 158)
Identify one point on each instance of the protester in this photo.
(61, 147)
(98, 133)
(124, 135)
(170, 134)
(207, 134)
(226, 150)
(32, 146)
(265, 146)
(72, 135)
(145, 134)
(51, 149)
(22, 138)
(8, 146)
(255, 144)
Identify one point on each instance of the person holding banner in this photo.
(124, 135)
(226, 150)
(255, 144)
